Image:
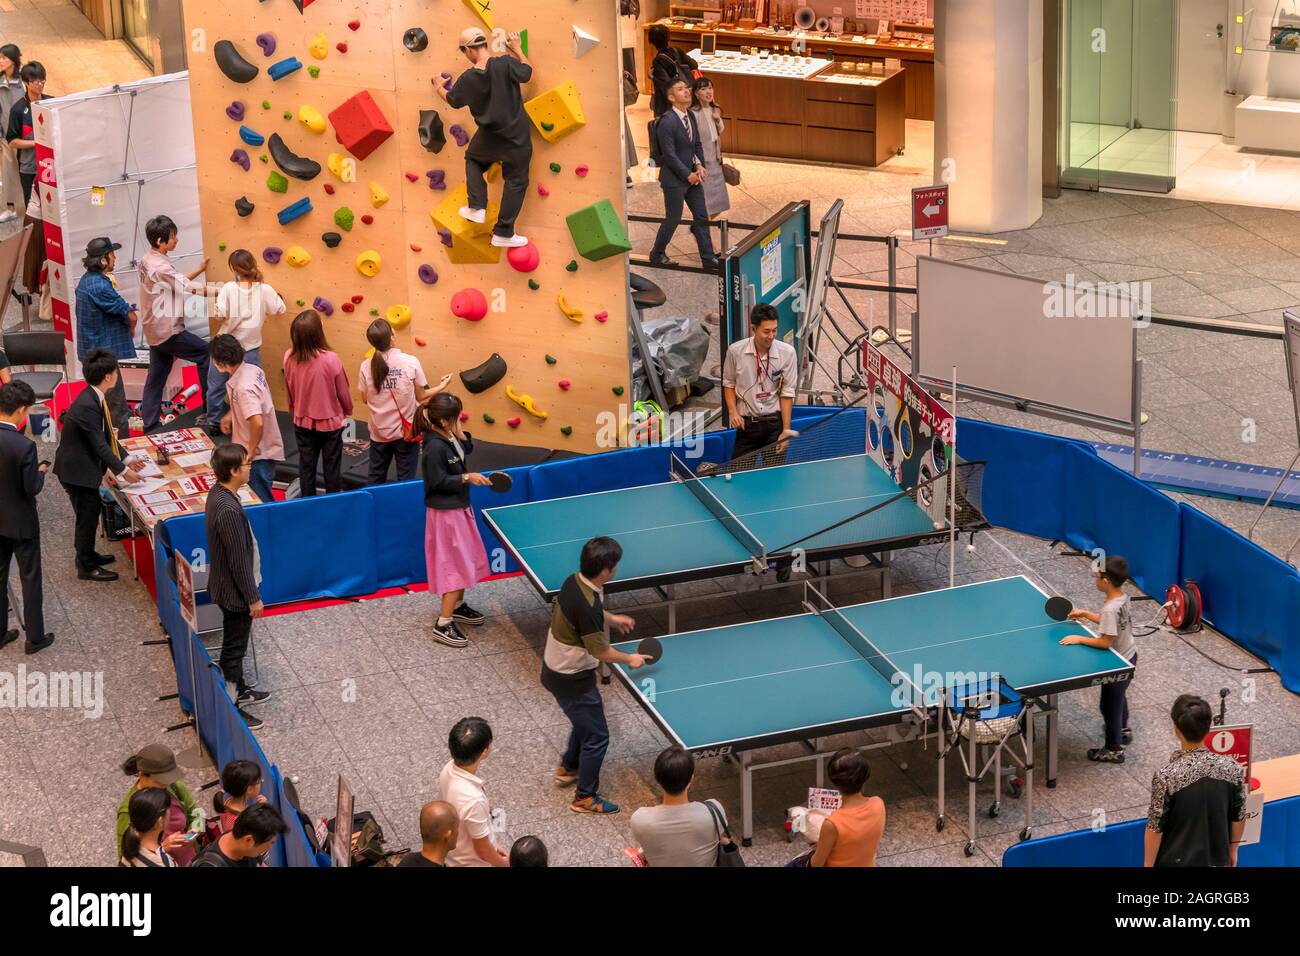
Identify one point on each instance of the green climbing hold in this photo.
(572, 266)
(551, 360)
(555, 167)
(566, 431)
(266, 104)
(314, 71)
(617, 389)
(374, 312)
(265, 159)
(344, 219)
(489, 419)
(523, 41)
(548, 126)
(221, 246)
(532, 284)
(288, 116)
(301, 303)
(277, 183)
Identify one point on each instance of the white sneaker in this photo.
(473, 215)
(510, 242)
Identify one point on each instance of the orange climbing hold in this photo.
(421, 343)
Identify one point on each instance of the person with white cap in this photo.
(491, 91)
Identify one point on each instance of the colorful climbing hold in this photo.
(469, 304)
(428, 275)
(266, 104)
(601, 316)
(551, 360)
(514, 422)
(232, 63)
(301, 303)
(368, 219)
(313, 72)
(267, 42)
(582, 169)
(251, 136)
(284, 68)
(548, 126)
(489, 419)
(319, 46)
(294, 211)
(297, 257)
(412, 177)
(617, 389)
(378, 195)
(437, 179)
(524, 258)
(272, 254)
(369, 263)
(565, 384)
(329, 189)
(235, 111)
(399, 316)
(311, 118)
(354, 25)
(221, 246)
(555, 167)
(331, 239)
(287, 116)
(358, 299)
(527, 403)
(344, 219)
(570, 312)
(276, 183)
(572, 266)
(324, 306)
(542, 190)
(244, 207)
(459, 135)
(415, 248)
(532, 284)
(464, 416)
(566, 431)
(341, 47)
(349, 308)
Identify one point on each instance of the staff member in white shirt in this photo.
(758, 384)
(470, 742)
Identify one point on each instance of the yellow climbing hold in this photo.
(399, 316)
(320, 46)
(369, 263)
(378, 195)
(370, 353)
(484, 10)
(526, 403)
(311, 118)
(570, 313)
(343, 168)
(297, 256)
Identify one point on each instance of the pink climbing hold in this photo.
(469, 304)
(582, 169)
(542, 190)
(412, 178)
(565, 384)
(601, 316)
(464, 416)
(524, 258)
(514, 422)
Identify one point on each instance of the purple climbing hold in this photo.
(240, 156)
(428, 274)
(459, 135)
(445, 236)
(271, 255)
(267, 42)
(446, 80)
(324, 306)
(437, 179)
(235, 111)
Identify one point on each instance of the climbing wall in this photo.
(319, 151)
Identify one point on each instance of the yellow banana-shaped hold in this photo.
(570, 313)
(526, 403)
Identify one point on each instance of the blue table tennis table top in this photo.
(795, 678)
(667, 534)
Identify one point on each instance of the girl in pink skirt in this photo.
(453, 550)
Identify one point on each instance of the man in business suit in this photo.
(21, 479)
(233, 573)
(681, 177)
(88, 448)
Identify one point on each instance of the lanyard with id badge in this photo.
(765, 375)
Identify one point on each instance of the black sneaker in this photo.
(1126, 736)
(1102, 755)
(449, 634)
(251, 698)
(253, 723)
(467, 615)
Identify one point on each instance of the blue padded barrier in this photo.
(1103, 507)
(1122, 844)
(299, 543)
(1024, 478)
(395, 535)
(1249, 594)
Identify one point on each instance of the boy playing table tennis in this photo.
(1116, 626)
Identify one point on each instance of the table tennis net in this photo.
(682, 472)
(906, 692)
(836, 436)
(910, 513)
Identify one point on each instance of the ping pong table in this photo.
(733, 690)
(689, 528)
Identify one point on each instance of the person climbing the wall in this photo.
(491, 91)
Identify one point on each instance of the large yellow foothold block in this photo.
(484, 10)
(311, 118)
(470, 241)
(398, 316)
(297, 257)
(319, 47)
(559, 109)
(369, 263)
(378, 195)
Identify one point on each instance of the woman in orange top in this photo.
(850, 835)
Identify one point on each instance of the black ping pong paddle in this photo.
(1058, 608)
(651, 649)
(501, 482)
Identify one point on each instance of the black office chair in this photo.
(645, 294)
(46, 352)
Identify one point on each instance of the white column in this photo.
(988, 111)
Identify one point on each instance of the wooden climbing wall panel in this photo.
(364, 51)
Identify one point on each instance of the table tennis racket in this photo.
(501, 482)
(651, 649)
(1058, 608)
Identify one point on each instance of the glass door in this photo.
(1118, 76)
(137, 30)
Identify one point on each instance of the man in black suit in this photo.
(87, 449)
(21, 479)
(681, 177)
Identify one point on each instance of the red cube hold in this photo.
(360, 125)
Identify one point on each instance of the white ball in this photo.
(970, 549)
(726, 477)
(938, 526)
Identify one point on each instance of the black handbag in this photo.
(630, 91)
(729, 852)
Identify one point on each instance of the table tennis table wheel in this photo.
(969, 848)
(995, 808)
(1026, 833)
(938, 824)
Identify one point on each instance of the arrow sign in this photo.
(930, 212)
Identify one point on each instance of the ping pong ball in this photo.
(938, 525)
(726, 477)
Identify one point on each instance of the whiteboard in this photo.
(1028, 340)
(1291, 326)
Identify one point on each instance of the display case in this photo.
(808, 108)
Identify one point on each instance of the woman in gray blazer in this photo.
(708, 116)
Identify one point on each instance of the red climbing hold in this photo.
(420, 342)
(514, 422)
(348, 307)
(358, 299)
(524, 258)
(565, 384)
(354, 26)
(601, 316)
(417, 248)
(542, 190)
(582, 169)
(470, 304)
(341, 47)
(412, 177)
(368, 219)
(329, 190)
(464, 416)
